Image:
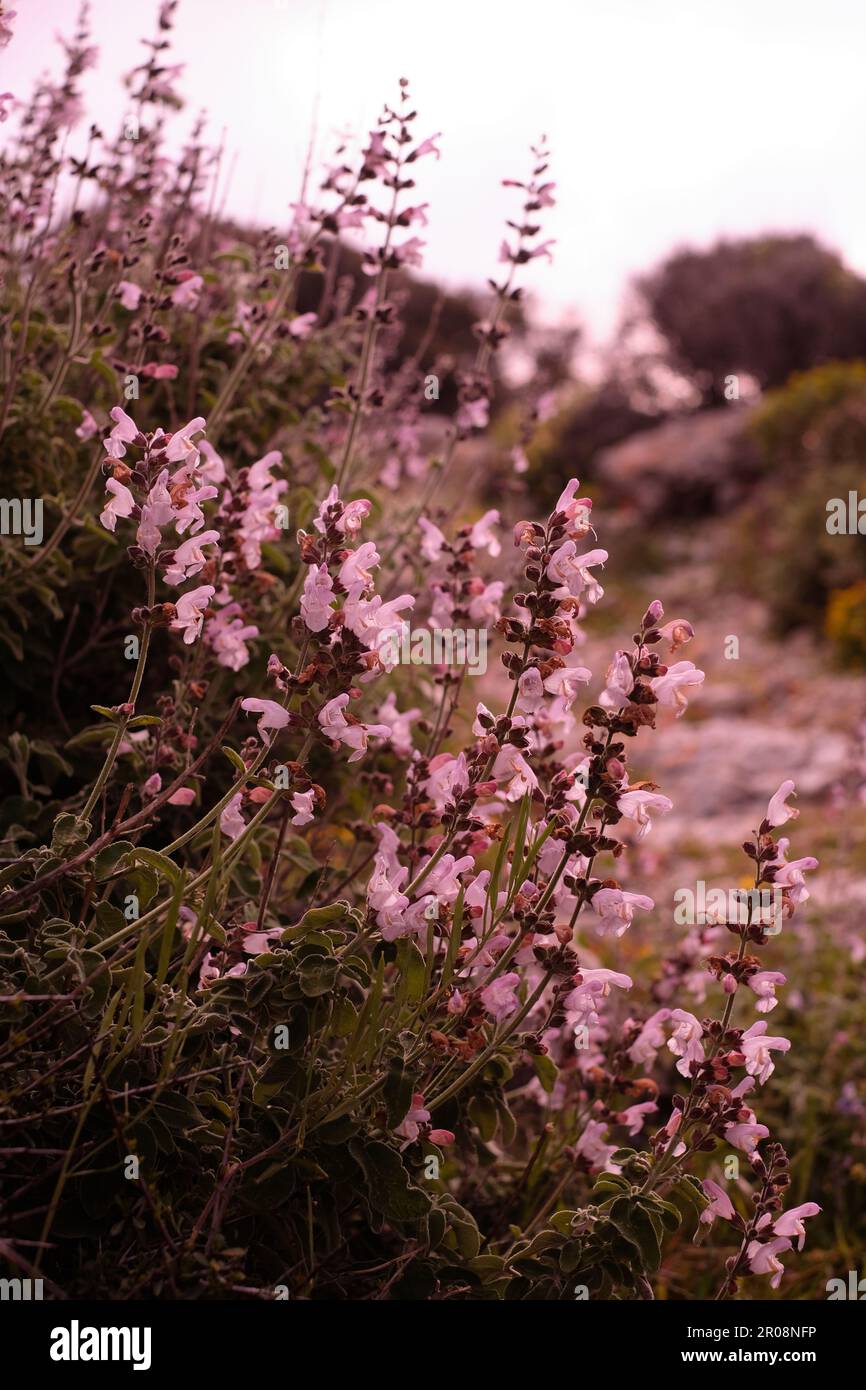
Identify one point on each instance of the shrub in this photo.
(332, 1008)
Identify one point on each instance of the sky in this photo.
(670, 122)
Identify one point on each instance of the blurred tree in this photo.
(764, 306)
(811, 438)
(596, 419)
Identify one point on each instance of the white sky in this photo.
(670, 121)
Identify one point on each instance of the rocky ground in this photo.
(769, 709)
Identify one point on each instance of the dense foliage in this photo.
(330, 1005)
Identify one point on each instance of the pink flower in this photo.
(777, 812)
(189, 516)
(181, 447)
(650, 1038)
(302, 803)
(566, 682)
(212, 470)
(301, 326)
(88, 427)
(398, 724)
(335, 726)
(227, 634)
(372, 620)
(764, 1259)
(121, 503)
(513, 769)
(571, 572)
(427, 146)
(189, 558)
(410, 1126)
(620, 682)
(500, 996)
(156, 513)
(273, 716)
(409, 254)
(671, 688)
(790, 1223)
(184, 796)
(677, 632)
(358, 566)
(615, 909)
(636, 806)
(354, 513)
(595, 985)
(191, 608)
(483, 537)
(577, 510)
(720, 1203)
(790, 874)
(125, 430)
(350, 516)
(591, 1146)
(634, 1117)
(530, 691)
(317, 598)
(473, 415)
(187, 294)
(129, 294)
(764, 984)
(434, 540)
(746, 1135)
(448, 776)
(441, 1136)
(685, 1041)
(542, 249)
(259, 941)
(232, 822)
(758, 1047)
(160, 371)
(484, 602)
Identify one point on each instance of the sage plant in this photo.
(313, 960)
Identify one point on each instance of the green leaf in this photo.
(344, 1017)
(69, 833)
(465, 1229)
(317, 976)
(234, 758)
(107, 860)
(168, 931)
(482, 1112)
(397, 1092)
(106, 712)
(389, 1189)
(160, 862)
(178, 1112)
(635, 1225)
(546, 1070)
(410, 963)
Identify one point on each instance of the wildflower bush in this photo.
(808, 566)
(309, 957)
